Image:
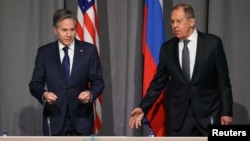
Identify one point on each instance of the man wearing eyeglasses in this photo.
(194, 67)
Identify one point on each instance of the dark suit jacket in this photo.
(48, 73)
(209, 91)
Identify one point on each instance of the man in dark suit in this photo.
(67, 99)
(198, 96)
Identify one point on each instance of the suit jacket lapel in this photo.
(56, 59)
(78, 51)
(198, 55)
(176, 51)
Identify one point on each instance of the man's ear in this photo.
(55, 31)
(192, 22)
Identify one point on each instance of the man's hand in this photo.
(49, 97)
(136, 118)
(226, 120)
(85, 96)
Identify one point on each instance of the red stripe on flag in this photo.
(79, 31)
(96, 20)
(97, 122)
(90, 27)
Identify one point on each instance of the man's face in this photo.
(65, 31)
(182, 26)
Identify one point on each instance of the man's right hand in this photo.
(49, 97)
(136, 118)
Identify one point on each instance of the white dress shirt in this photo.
(70, 53)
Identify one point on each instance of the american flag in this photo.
(87, 30)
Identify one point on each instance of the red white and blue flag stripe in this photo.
(87, 30)
(153, 37)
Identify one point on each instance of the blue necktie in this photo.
(185, 60)
(66, 64)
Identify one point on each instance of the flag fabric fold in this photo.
(87, 30)
(153, 37)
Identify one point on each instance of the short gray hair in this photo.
(62, 14)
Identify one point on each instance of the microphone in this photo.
(48, 122)
(211, 121)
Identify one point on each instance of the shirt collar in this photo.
(71, 46)
(193, 36)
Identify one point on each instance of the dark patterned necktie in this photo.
(66, 64)
(185, 60)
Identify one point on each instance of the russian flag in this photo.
(153, 38)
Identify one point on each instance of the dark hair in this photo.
(62, 14)
(188, 9)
